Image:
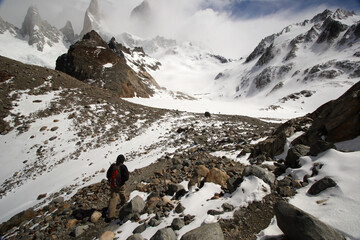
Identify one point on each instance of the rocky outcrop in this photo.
(334, 121)
(297, 224)
(91, 60)
(332, 30)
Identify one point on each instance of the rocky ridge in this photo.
(104, 65)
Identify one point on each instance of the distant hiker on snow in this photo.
(117, 175)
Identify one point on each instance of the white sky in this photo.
(182, 20)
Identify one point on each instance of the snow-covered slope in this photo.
(289, 73)
(303, 66)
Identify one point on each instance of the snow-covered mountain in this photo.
(299, 65)
(37, 42)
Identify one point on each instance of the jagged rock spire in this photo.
(141, 12)
(39, 30)
(68, 32)
(92, 18)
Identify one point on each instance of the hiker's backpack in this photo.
(115, 176)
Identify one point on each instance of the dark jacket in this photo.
(124, 172)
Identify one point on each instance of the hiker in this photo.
(117, 175)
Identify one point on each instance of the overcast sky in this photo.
(228, 27)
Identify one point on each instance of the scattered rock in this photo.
(205, 232)
(140, 228)
(261, 173)
(135, 237)
(95, 216)
(297, 224)
(164, 234)
(217, 176)
(228, 207)
(177, 224)
(321, 185)
(108, 235)
(80, 230)
(136, 205)
(41, 196)
(179, 208)
(295, 153)
(71, 223)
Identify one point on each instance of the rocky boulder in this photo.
(217, 176)
(91, 60)
(297, 224)
(135, 206)
(200, 172)
(261, 173)
(293, 155)
(205, 232)
(321, 185)
(164, 234)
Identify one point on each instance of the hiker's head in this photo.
(120, 159)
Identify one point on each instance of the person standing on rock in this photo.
(117, 175)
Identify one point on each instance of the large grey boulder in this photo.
(299, 225)
(135, 206)
(164, 234)
(205, 232)
(293, 155)
(261, 173)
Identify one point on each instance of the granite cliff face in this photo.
(92, 60)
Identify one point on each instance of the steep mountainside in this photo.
(300, 62)
(94, 61)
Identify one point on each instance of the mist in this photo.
(210, 23)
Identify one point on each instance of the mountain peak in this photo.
(38, 30)
(92, 18)
(141, 12)
(68, 32)
(31, 20)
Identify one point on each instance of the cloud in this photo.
(232, 28)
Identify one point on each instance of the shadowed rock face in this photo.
(91, 60)
(297, 224)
